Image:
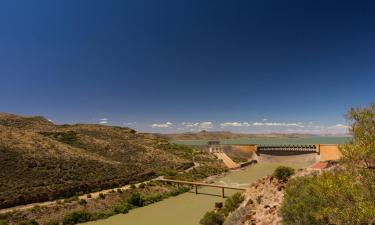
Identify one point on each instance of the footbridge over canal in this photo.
(197, 184)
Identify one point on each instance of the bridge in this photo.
(196, 184)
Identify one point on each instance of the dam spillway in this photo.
(289, 148)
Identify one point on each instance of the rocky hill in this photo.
(41, 161)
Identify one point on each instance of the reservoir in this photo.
(189, 208)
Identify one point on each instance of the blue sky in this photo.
(168, 66)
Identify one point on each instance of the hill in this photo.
(41, 161)
(220, 135)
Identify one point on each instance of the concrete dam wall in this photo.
(286, 157)
(278, 153)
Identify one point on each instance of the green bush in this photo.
(89, 196)
(82, 202)
(101, 196)
(76, 217)
(68, 137)
(326, 199)
(283, 173)
(52, 223)
(30, 222)
(212, 218)
(136, 200)
(3, 222)
(122, 208)
(232, 204)
(142, 185)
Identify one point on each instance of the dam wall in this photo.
(329, 152)
(286, 157)
(281, 153)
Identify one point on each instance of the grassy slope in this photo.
(41, 161)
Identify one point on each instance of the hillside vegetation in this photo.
(42, 161)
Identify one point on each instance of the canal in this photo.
(189, 208)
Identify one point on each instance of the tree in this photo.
(212, 218)
(342, 196)
(283, 173)
(136, 200)
(360, 152)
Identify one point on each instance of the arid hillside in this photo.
(41, 161)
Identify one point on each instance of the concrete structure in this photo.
(329, 152)
(214, 147)
(309, 153)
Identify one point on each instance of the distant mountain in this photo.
(41, 161)
(220, 135)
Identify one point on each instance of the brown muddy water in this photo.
(189, 208)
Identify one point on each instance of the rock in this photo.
(250, 202)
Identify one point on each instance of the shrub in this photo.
(119, 190)
(282, 173)
(101, 196)
(3, 222)
(76, 217)
(30, 222)
(326, 199)
(232, 203)
(89, 196)
(136, 200)
(36, 208)
(212, 218)
(132, 186)
(82, 202)
(122, 208)
(52, 223)
(68, 137)
(142, 185)
(259, 199)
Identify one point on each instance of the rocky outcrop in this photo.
(262, 202)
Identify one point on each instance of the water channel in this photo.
(189, 208)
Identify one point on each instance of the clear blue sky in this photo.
(166, 66)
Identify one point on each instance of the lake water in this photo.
(189, 208)
(306, 140)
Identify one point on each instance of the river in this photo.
(189, 208)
